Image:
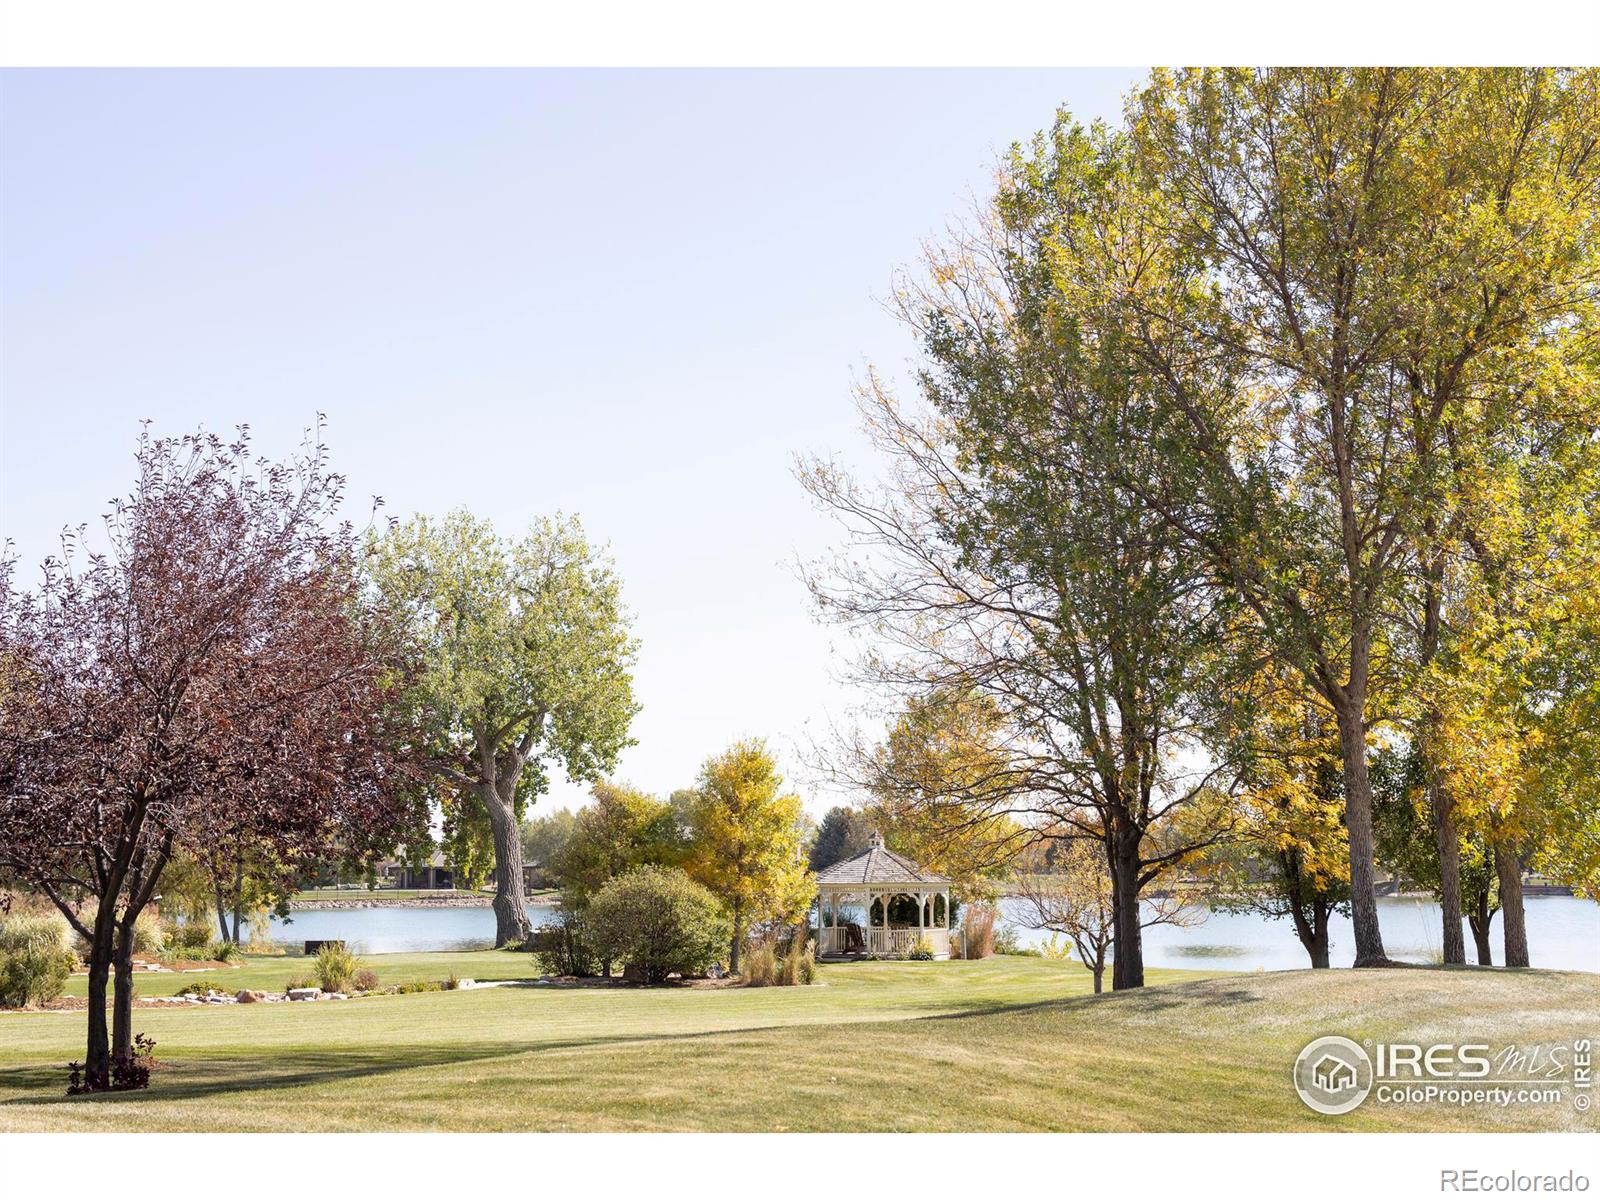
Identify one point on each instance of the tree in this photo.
(216, 671)
(1064, 886)
(620, 829)
(1288, 856)
(1007, 558)
(927, 794)
(1322, 269)
(543, 840)
(746, 845)
(845, 832)
(1407, 844)
(659, 922)
(526, 665)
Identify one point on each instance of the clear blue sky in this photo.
(630, 295)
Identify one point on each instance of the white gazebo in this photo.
(898, 903)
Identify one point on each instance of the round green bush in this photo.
(659, 922)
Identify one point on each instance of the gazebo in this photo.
(896, 901)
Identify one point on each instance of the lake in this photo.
(1563, 932)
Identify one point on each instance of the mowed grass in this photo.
(1003, 1044)
(270, 973)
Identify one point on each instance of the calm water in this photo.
(391, 929)
(1563, 932)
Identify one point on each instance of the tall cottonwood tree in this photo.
(215, 673)
(1005, 560)
(526, 664)
(1313, 271)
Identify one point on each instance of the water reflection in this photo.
(1563, 934)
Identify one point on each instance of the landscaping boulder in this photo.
(306, 993)
(246, 996)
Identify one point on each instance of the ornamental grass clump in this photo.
(336, 968)
(799, 965)
(977, 931)
(760, 966)
(34, 959)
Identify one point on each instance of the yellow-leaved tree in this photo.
(938, 791)
(746, 840)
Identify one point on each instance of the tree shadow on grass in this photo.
(214, 1075)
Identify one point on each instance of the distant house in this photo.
(436, 874)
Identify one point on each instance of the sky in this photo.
(631, 295)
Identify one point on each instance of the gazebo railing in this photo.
(879, 940)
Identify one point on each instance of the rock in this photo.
(334, 996)
(309, 993)
(246, 996)
(466, 983)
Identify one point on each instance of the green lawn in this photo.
(1008, 1043)
(269, 973)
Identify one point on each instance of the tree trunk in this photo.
(1127, 962)
(1508, 872)
(738, 938)
(222, 906)
(511, 926)
(1480, 917)
(1312, 930)
(1319, 935)
(1449, 849)
(1440, 802)
(1358, 823)
(1099, 968)
(122, 992)
(97, 1058)
(238, 897)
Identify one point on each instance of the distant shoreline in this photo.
(379, 900)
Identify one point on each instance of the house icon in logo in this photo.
(1333, 1075)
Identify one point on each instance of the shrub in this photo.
(365, 980)
(201, 987)
(977, 931)
(335, 967)
(420, 985)
(921, 950)
(225, 951)
(190, 941)
(760, 965)
(563, 946)
(34, 959)
(1006, 940)
(148, 938)
(129, 1072)
(1056, 948)
(450, 982)
(296, 982)
(659, 922)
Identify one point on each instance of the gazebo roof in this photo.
(877, 864)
